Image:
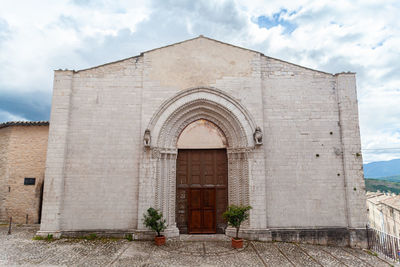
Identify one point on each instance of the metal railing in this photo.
(383, 243)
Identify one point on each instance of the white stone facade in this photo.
(306, 175)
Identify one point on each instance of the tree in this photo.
(235, 215)
(154, 220)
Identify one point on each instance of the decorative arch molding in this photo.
(164, 128)
(209, 99)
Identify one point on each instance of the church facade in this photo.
(196, 126)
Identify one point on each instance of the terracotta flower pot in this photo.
(160, 240)
(237, 243)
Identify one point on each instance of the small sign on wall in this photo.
(29, 181)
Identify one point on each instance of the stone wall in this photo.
(302, 147)
(4, 170)
(26, 156)
(93, 148)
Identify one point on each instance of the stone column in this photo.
(172, 191)
(238, 177)
(237, 186)
(233, 182)
(167, 185)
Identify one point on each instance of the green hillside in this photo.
(395, 178)
(374, 185)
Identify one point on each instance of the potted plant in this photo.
(154, 221)
(235, 215)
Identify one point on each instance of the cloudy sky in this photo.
(37, 37)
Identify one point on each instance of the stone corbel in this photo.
(147, 138)
(258, 136)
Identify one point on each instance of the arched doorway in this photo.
(157, 177)
(201, 179)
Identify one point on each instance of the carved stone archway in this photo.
(157, 184)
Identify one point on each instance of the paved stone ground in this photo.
(19, 249)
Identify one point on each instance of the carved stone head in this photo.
(147, 138)
(258, 135)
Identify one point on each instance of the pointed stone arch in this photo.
(159, 161)
(209, 102)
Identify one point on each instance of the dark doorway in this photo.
(202, 192)
(40, 202)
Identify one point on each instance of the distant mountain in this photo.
(382, 169)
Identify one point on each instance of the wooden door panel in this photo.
(195, 199)
(182, 169)
(195, 167)
(195, 173)
(209, 199)
(195, 211)
(182, 178)
(195, 220)
(209, 180)
(202, 187)
(209, 210)
(209, 174)
(209, 221)
(202, 210)
(208, 156)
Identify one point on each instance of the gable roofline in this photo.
(214, 40)
(102, 65)
(204, 37)
(162, 47)
(23, 123)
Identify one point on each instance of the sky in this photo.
(362, 36)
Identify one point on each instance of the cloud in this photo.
(6, 116)
(333, 36)
(4, 31)
(380, 124)
(32, 105)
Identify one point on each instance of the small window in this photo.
(29, 181)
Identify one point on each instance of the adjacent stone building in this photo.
(193, 127)
(384, 212)
(23, 148)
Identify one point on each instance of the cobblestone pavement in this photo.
(19, 249)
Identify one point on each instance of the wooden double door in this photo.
(202, 197)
